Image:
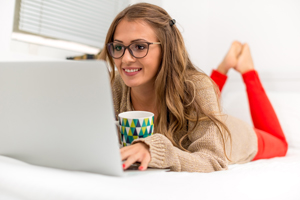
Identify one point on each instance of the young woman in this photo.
(191, 134)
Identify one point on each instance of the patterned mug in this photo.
(134, 125)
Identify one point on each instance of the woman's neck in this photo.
(143, 98)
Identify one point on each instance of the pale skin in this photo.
(238, 57)
(142, 83)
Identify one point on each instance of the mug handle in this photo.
(117, 123)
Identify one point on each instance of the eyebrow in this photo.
(131, 40)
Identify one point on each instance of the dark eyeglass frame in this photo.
(127, 47)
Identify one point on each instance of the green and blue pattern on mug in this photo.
(134, 125)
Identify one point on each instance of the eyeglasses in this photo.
(136, 49)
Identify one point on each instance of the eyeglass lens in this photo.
(137, 49)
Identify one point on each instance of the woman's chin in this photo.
(136, 81)
(132, 83)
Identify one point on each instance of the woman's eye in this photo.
(140, 47)
(118, 48)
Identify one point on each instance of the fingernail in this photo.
(123, 166)
(141, 168)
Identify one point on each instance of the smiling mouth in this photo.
(132, 70)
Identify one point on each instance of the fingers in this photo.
(136, 153)
(127, 151)
(144, 163)
(129, 161)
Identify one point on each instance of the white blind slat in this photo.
(64, 13)
(62, 36)
(66, 36)
(83, 5)
(66, 25)
(43, 30)
(84, 22)
(63, 19)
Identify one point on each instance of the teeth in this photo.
(131, 70)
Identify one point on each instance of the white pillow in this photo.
(286, 106)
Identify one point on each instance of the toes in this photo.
(236, 43)
(246, 47)
(246, 50)
(238, 47)
(245, 62)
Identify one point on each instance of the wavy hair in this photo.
(175, 91)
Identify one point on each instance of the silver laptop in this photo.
(59, 114)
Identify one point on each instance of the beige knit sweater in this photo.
(204, 143)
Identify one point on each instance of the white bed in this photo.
(274, 179)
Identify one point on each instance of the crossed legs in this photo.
(271, 139)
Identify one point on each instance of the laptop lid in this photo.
(59, 114)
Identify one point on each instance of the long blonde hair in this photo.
(174, 89)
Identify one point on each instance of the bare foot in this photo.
(245, 62)
(231, 58)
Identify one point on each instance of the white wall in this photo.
(156, 2)
(6, 21)
(270, 27)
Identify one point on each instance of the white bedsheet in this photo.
(276, 178)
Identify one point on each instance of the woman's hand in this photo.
(138, 152)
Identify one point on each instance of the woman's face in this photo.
(137, 72)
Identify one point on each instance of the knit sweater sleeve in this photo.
(206, 149)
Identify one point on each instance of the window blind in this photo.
(84, 22)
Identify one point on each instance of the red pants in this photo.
(271, 139)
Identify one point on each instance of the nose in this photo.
(127, 57)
